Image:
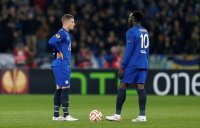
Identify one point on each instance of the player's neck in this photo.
(66, 28)
(137, 24)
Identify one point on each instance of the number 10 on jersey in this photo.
(144, 40)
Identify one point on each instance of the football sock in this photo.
(57, 102)
(65, 101)
(121, 97)
(142, 101)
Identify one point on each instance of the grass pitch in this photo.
(35, 111)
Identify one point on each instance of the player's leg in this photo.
(121, 97)
(127, 79)
(57, 101)
(65, 82)
(142, 96)
(65, 100)
(65, 104)
(57, 95)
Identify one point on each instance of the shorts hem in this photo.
(62, 85)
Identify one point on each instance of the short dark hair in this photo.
(138, 15)
(67, 17)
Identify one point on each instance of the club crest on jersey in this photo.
(57, 35)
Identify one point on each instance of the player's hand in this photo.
(59, 55)
(120, 72)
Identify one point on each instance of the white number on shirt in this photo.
(144, 40)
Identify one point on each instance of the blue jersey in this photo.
(61, 42)
(137, 48)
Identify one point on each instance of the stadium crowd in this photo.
(26, 25)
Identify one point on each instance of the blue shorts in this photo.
(62, 75)
(134, 76)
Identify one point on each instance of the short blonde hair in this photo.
(66, 17)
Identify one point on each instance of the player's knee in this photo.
(140, 86)
(123, 85)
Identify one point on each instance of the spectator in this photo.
(113, 60)
(84, 58)
(41, 36)
(20, 55)
(30, 27)
(173, 26)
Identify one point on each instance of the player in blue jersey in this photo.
(61, 43)
(134, 66)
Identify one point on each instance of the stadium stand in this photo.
(173, 25)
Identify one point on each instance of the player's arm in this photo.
(129, 48)
(55, 40)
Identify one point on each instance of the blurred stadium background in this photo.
(97, 48)
(26, 26)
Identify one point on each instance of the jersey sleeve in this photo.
(55, 40)
(128, 50)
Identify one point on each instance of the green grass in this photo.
(35, 111)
